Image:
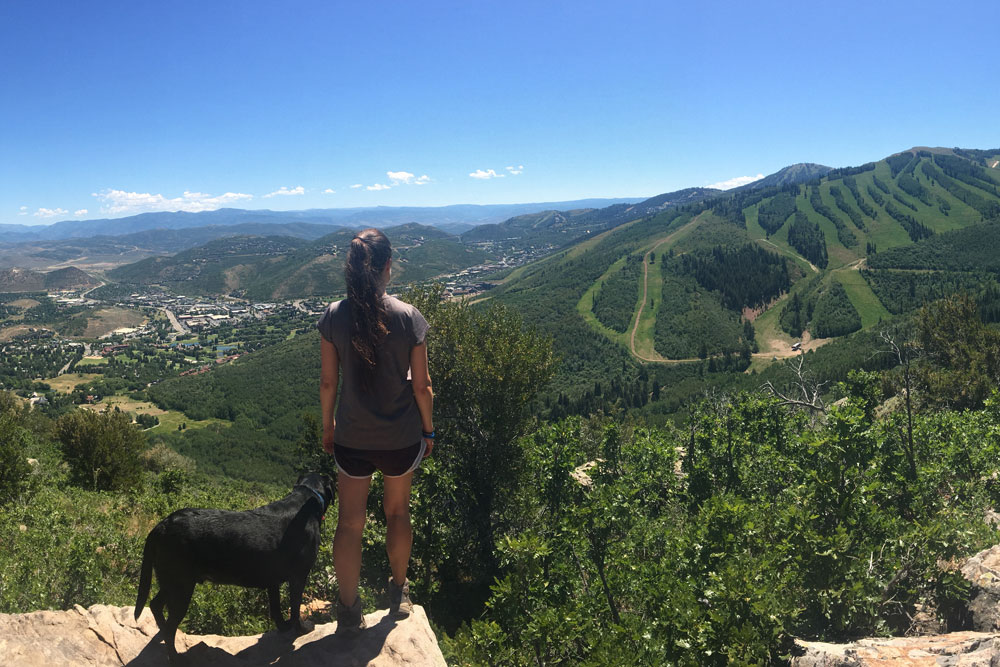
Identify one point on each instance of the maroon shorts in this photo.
(392, 462)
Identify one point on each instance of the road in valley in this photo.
(178, 327)
(86, 353)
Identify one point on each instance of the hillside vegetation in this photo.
(757, 521)
(267, 268)
(878, 219)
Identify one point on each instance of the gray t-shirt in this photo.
(388, 416)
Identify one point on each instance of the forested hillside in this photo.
(829, 250)
(278, 267)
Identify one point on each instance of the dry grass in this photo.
(68, 382)
(170, 420)
(106, 320)
(8, 333)
(24, 303)
(127, 404)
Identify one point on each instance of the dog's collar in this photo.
(319, 496)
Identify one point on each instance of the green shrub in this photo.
(103, 449)
(14, 468)
(161, 458)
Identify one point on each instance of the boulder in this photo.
(103, 635)
(983, 572)
(955, 649)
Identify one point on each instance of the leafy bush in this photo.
(771, 528)
(962, 355)
(103, 449)
(487, 369)
(14, 467)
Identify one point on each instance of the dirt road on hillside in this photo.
(776, 348)
(645, 277)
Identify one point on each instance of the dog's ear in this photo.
(301, 479)
(328, 488)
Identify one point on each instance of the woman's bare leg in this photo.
(399, 534)
(352, 498)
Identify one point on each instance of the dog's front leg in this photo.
(274, 607)
(295, 587)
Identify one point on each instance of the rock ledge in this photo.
(965, 649)
(103, 635)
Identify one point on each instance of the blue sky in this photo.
(113, 108)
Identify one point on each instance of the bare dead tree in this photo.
(803, 392)
(905, 353)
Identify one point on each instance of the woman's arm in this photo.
(329, 377)
(421, 379)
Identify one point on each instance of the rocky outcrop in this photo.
(103, 635)
(955, 649)
(978, 647)
(983, 572)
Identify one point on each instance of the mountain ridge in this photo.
(455, 214)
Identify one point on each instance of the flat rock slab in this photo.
(103, 635)
(955, 649)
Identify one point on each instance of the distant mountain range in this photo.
(454, 219)
(565, 226)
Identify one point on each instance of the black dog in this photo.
(259, 548)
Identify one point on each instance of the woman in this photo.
(383, 421)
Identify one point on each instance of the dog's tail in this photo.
(145, 575)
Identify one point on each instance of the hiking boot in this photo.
(399, 599)
(350, 620)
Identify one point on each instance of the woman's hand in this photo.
(328, 437)
(430, 445)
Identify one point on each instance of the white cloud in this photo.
(119, 202)
(406, 178)
(23, 210)
(329, 191)
(516, 170)
(49, 212)
(299, 190)
(82, 211)
(398, 177)
(735, 182)
(485, 175)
